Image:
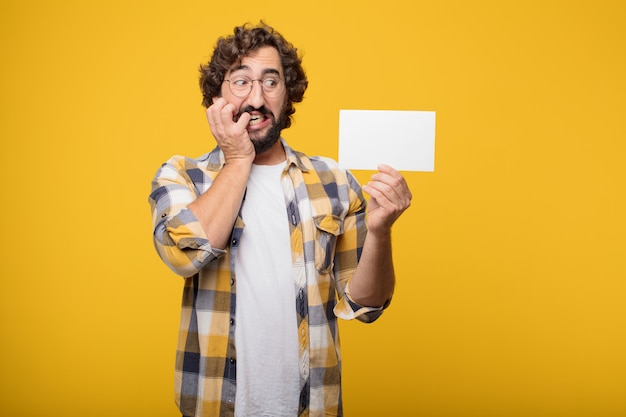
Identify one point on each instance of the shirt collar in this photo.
(215, 160)
(293, 157)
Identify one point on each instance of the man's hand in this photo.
(390, 196)
(231, 136)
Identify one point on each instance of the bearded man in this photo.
(273, 245)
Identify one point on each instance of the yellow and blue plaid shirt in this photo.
(326, 213)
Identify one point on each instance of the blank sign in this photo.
(403, 139)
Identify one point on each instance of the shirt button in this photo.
(232, 361)
(234, 242)
(232, 321)
(232, 281)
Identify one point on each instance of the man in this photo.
(273, 245)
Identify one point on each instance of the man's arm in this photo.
(374, 279)
(217, 208)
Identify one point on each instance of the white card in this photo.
(402, 139)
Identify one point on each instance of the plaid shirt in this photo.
(326, 213)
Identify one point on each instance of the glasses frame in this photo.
(280, 89)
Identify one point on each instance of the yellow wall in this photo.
(511, 261)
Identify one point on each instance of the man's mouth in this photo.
(255, 119)
(259, 121)
(258, 117)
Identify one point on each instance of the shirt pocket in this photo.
(327, 229)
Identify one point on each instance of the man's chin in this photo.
(264, 144)
(265, 139)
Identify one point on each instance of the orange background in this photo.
(511, 261)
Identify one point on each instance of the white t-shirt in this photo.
(266, 339)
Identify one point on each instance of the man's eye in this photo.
(270, 82)
(241, 82)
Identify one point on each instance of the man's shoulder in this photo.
(210, 160)
(328, 169)
(324, 162)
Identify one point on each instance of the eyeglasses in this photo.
(272, 87)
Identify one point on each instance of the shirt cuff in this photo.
(348, 309)
(188, 249)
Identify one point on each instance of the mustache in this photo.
(249, 109)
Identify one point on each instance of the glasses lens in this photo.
(240, 86)
(272, 87)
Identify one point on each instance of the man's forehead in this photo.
(265, 58)
(247, 68)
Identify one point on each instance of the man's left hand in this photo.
(390, 196)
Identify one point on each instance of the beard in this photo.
(264, 143)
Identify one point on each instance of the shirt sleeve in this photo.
(352, 310)
(178, 237)
(347, 256)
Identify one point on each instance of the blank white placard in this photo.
(403, 139)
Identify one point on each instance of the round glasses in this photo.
(272, 87)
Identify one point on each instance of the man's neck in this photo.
(274, 155)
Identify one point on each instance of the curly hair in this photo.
(246, 39)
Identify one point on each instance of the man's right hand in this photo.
(232, 137)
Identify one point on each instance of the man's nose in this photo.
(256, 97)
